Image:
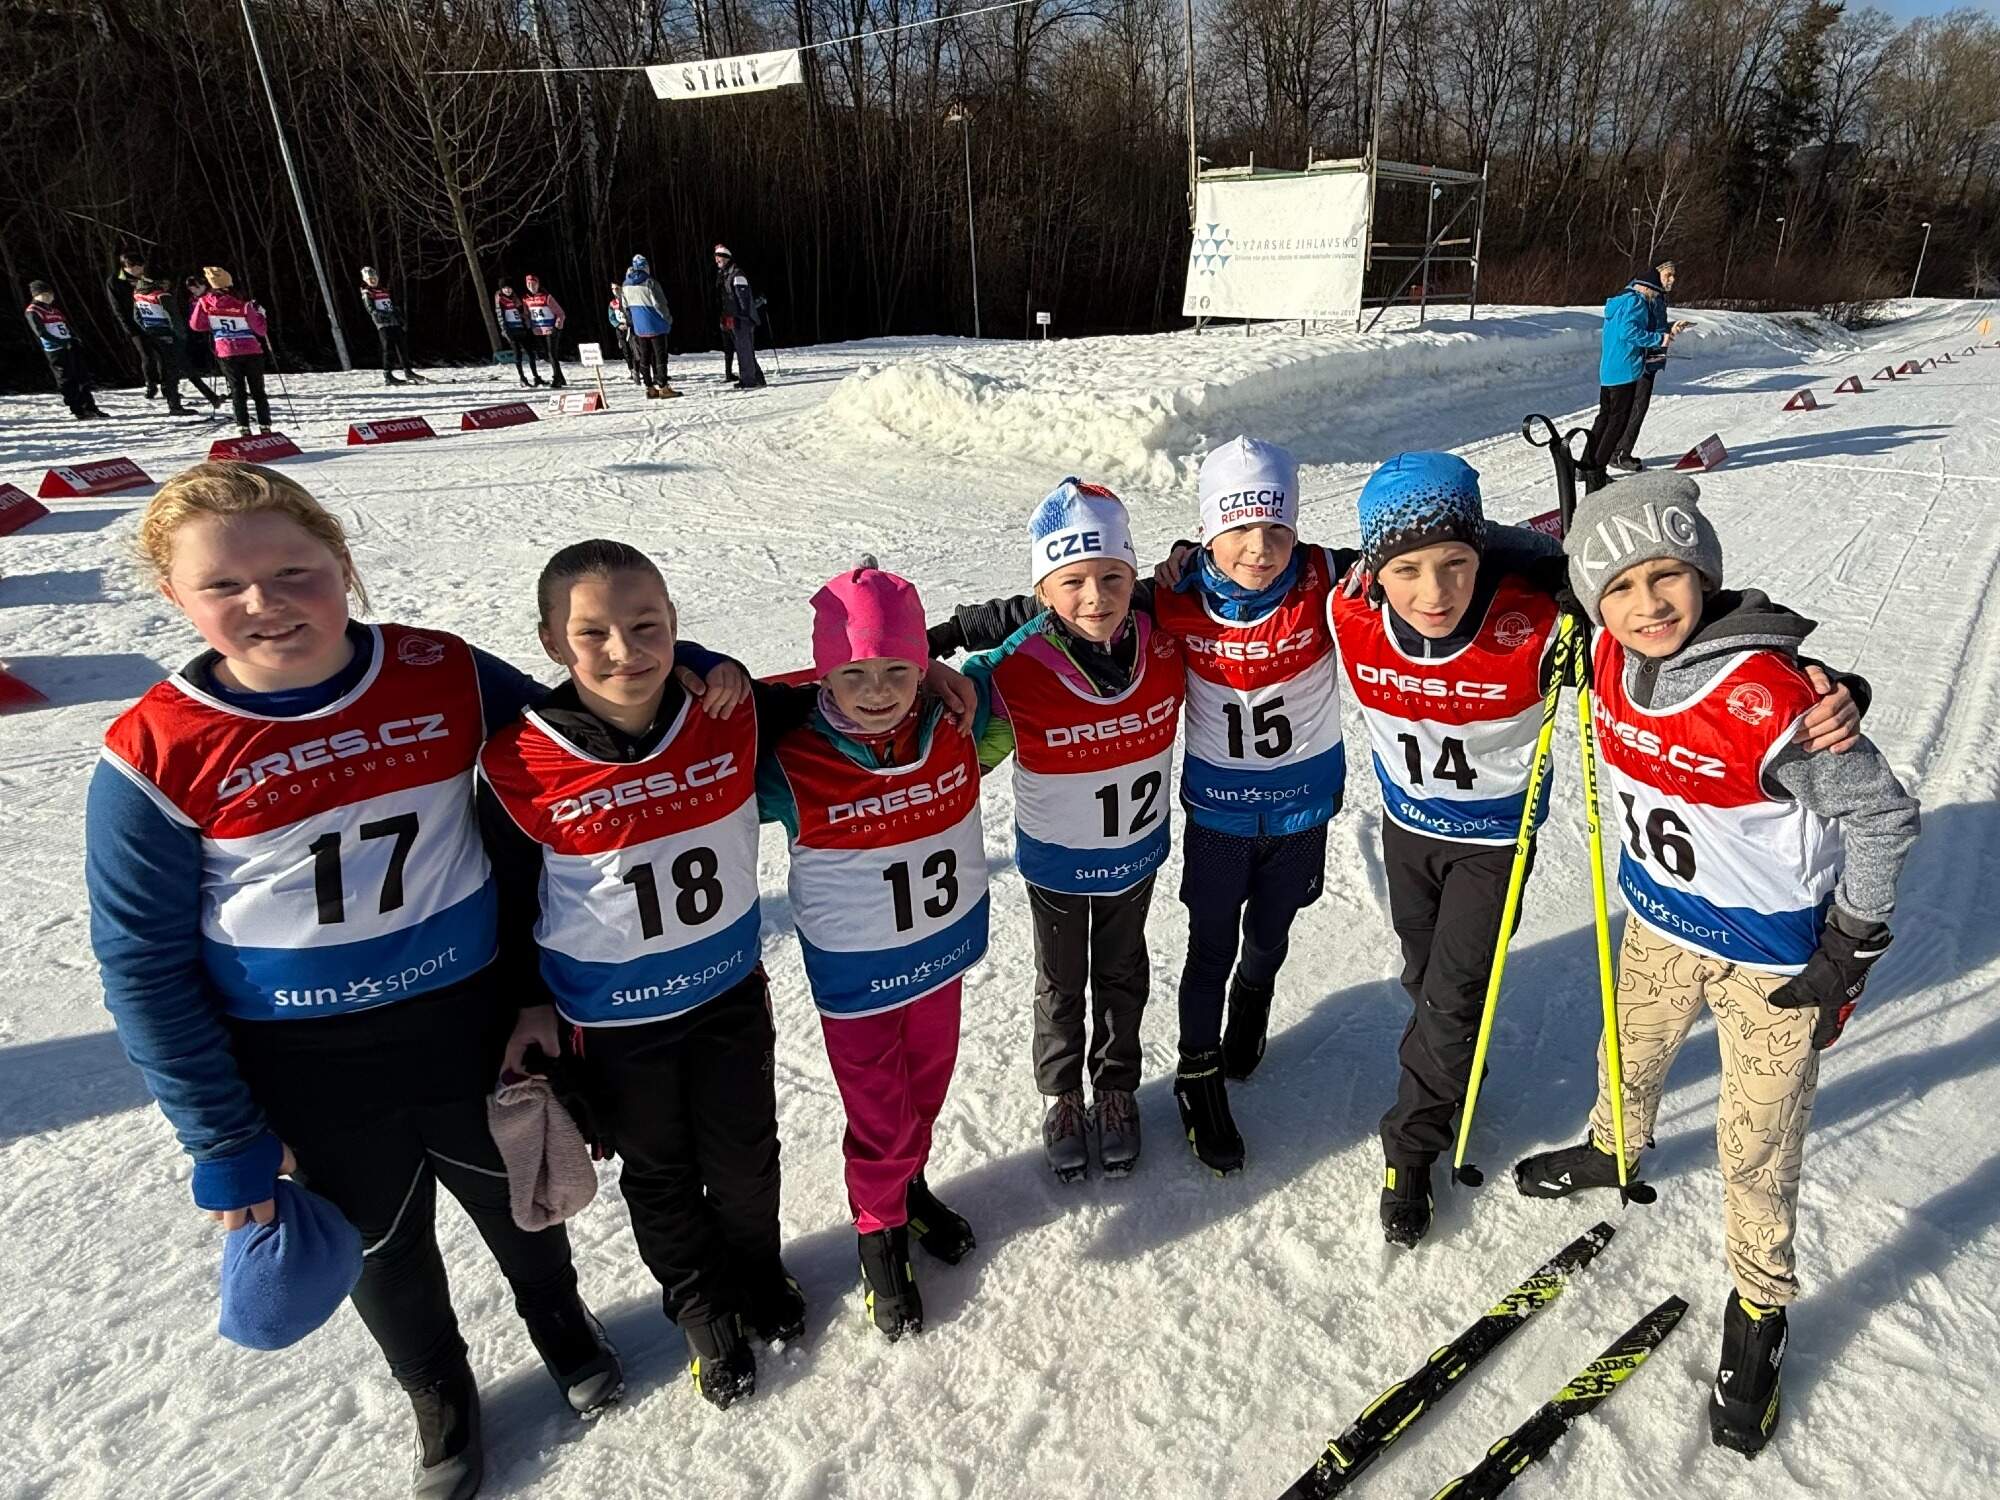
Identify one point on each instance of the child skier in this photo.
(57, 338)
(647, 924)
(880, 799)
(512, 313)
(1759, 875)
(297, 929)
(621, 332)
(389, 329)
(157, 319)
(545, 324)
(237, 329)
(1087, 697)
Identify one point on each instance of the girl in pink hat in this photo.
(880, 798)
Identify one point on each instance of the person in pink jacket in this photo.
(236, 327)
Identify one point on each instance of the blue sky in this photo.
(1904, 10)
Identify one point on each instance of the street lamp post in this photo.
(960, 117)
(1781, 243)
(1920, 258)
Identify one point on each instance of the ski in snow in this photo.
(1592, 1385)
(1392, 1413)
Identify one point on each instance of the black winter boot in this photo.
(721, 1362)
(1406, 1203)
(773, 1305)
(579, 1358)
(1204, 1104)
(1744, 1413)
(893, 1303)
(1249, 1020)
(941, 1232)
(450, 1459)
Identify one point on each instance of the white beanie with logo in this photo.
(1248, 482)
(1078, 522)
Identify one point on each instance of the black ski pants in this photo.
(1445, 901)
(245, 374)
(1642, 399)
(1101, 940)
(728, 351)
(549, 343)
(751, 373)
(166, 367)
(1614, 411)
(379, 1108)
(649, 358)
(1241, 893)
(691, 1106)
(72, 380)
(395, 348)
(524, 348)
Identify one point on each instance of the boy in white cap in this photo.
(1087, 697)
(1760, 877)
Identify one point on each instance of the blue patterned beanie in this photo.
(1418, 500)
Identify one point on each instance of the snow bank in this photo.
(1147, 408)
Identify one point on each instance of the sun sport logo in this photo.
(1751, 703)
(1211, 250)
(419, 651)
(1512, 629)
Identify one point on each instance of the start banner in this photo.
(712, 77)
(1280, 246)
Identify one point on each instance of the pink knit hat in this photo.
(867, 613)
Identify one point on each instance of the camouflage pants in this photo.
(1769, 1076)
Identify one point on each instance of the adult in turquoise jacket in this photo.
(1657, 321)
(1627, 339)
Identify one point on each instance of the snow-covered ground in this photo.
(1172, 1335)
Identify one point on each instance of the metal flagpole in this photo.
(298, 193)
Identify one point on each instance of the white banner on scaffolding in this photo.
(1278, 247)
(713, 77)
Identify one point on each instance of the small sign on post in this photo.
(591, 357)
(1042, 320)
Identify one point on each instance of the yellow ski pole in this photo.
(1560, 676)
(1614, 1062)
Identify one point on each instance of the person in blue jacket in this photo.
(1657, 321)
(648, 321)
(1629, 338)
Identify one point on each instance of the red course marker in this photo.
(15, 694)
(1909, 367)
(389, 430)
(1705, 455)
(1885, 373)
(105, 477)
(18, 508)
(264, 448)
(571, 401)
(1853, 384)
(1803, 401)
(513, 414)
(1548, 523)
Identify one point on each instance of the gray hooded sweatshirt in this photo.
(1856, 789)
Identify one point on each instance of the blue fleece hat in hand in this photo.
(1419, 500)
(283, 1279)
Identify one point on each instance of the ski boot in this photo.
(892, 1302)
(1744, 1413)
(1406, 1204)
(721, 1363)
(1115, 1116)
(243, 429)
(1557, 1174)
(450, 1459)
(578, 1356)
(152, 393)
(774, 1306)
(389, 378)
(1066, 1136)
(1249, 1020)
(941, 1232)
(411, 377)
(1625, 463)
(1204, 1106)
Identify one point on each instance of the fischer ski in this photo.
(1391, 1414)
(1591, 1387)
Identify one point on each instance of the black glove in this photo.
(1834, 976)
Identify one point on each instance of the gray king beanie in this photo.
(1634, 520)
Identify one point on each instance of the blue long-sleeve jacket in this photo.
(1628, 334)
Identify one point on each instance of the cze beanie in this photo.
(1419, 500)
(1634, 520)
(1247, 482)
(1078, 522)
(867, 613)
(282, 1280)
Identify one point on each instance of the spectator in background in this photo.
(545, 326)
(512, 313)
(739, 317)
(615, 313)
(158, 317)
(118, 292)
(1627, 339)
(57, 340)
(388, 321)
(1651, 365)
(651, 321)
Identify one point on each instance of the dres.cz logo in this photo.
(307, 755)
